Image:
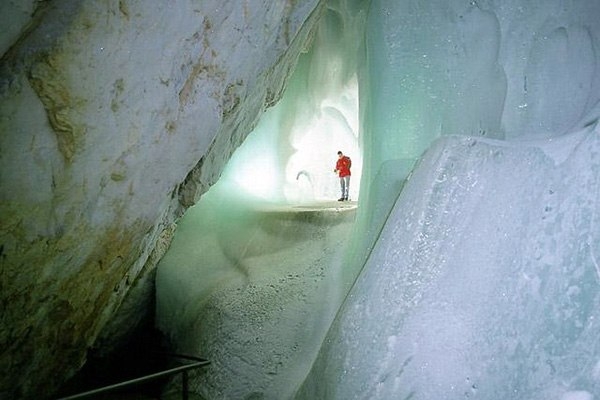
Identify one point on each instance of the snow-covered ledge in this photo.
(114, 117)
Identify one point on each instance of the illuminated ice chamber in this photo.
(476, 243)
(251, 280)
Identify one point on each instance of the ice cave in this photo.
(479, 279)
(198, 191)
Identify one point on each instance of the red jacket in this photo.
(343, 166)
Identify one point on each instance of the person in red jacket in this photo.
(342, 168)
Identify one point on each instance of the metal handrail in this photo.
(172, 371)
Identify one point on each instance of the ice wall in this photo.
(484, 282)
(498, 69)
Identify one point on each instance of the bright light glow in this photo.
(254, 169)
(290, 159)
(334, 128)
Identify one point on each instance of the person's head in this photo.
(340, 154)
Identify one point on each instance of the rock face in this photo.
(115, 116)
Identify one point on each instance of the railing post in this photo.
(184, 384)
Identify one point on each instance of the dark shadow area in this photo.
(145, 352)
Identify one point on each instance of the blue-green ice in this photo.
(467, 266)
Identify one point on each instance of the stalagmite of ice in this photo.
(485, 282)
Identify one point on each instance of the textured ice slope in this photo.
(484, 283)
(253, 289)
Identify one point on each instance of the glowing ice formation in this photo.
(292, 161)
(291, 154)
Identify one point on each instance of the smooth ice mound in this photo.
(485, 282)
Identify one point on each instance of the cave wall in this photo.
(115, 116)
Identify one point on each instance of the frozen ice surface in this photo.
(483, 284)
(579, 395)
(252, 288)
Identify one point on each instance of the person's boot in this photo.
(345, 199)
(341, 199)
